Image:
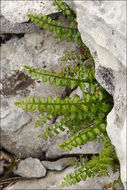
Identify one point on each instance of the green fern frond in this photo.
(68, 33)
(84, 117)
(62, 79)
(76, 177)
(89, 134)
(64, 8)
(78, 57)
(96, 166)
(51, 129)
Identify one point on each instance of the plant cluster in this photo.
(96, 166)
(84, 117)
(68, 33)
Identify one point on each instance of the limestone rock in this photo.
(37, 49)
(16, 12)
(103, 29)
(53, 180)
(7, 27)
(30, 168)
(56, 165)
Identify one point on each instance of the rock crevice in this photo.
(102, 27)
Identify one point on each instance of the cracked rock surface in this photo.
(57, 165)
(17, 11)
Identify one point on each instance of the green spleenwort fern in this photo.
(68, 33)
(84, 117)
(97, 166)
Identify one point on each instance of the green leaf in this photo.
(84, 138)
(91, 135)
(69, 147)
(51, 28)
(40, 16)
(100, 95)
(45, 26)
(61, 128)
(68, 12)
(49, 99)
(44, 18)
(78, 179)
(72, 84)
(44, 78)
(73, 143)
(41, 107)
(83, 176)
(49, 20)
(102, 127)
(31, 99)
(37, 77)
(80, 115)
(94, 108)
(91, 87)
(54, 3)
(29, 106)
(73, 108)
(96, 131)
(59, 23)
(78, 141)
(51, 80)
(82, 85)
(42, 100)
(35, 99)
(87, 97)
(34, 108)
(84, 108)
(56, 131)
(73, 116)
(23, 107)
(58, 31)
(57, 81)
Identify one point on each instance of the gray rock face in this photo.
(16, 12)
(18, 28)
(102, 26)
(56, 165)
(30, 168)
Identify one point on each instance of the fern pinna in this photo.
(84, 117)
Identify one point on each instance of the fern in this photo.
(73, 111)
(78, 161)
(65, 9)
(79, 76)
(97, 166)
(89, 134)
(84, 117)
(68, 33)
